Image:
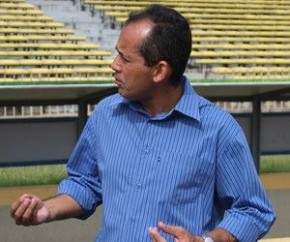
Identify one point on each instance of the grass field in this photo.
(53, 174)
(275, 164)
(31, 175)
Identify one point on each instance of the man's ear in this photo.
(162, 72)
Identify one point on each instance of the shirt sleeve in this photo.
(249, 214)
(83, 182)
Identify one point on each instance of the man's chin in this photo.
(125, 94)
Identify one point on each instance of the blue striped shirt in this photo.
(190, 167)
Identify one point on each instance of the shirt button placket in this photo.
(138, 183)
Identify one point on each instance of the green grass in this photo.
(31, 175)
(275, 164)
(53, 174)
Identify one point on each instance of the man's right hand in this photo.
(29, 210)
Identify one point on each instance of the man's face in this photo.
(134, 79)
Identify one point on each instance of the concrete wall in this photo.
(37, 140)
(275, 135)
(52, 140)
(275, 131)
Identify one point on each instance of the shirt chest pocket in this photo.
(180, 177)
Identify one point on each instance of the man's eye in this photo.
(125, 59)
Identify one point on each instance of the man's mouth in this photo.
(117, 81)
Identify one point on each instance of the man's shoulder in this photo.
(215, 114)
(106, 104)
(111, 100)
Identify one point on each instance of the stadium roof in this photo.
(59, 94)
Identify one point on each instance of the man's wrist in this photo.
(221, 235)
(207, 238)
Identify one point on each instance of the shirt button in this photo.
(139, 185)
(146, 152)
(132, 219)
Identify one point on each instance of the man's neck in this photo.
(164, 100)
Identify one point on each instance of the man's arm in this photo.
(29, 209)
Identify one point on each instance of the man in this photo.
(165, 163)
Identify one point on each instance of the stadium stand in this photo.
(222, 29)
(226, 34)
(232, 40)
(34, 47)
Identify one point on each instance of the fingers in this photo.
(23, 210)
(15, 206)
(175, 231)
(155, 236)
(29, 214)
(180, 234)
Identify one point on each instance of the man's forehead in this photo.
(132, 34)
(140, 27)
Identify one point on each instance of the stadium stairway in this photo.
(83, 18)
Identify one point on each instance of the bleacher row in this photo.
(232, 39)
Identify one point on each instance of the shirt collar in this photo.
(189, 102)
(188, 105)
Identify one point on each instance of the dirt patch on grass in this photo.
(9, 194)
(276, 180)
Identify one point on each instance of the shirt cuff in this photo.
(82, 195)
(241, 228)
